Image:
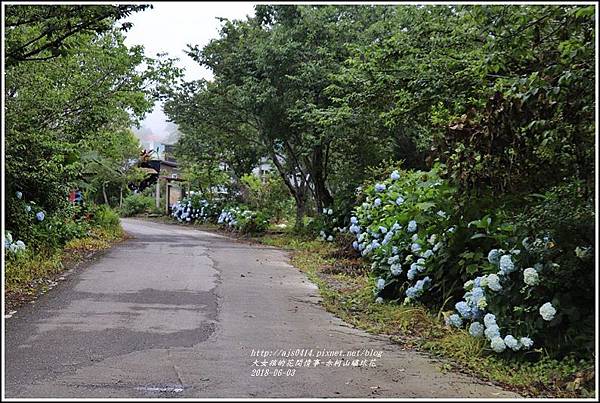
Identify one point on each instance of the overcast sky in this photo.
(170, 26)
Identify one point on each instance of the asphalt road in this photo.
(176, 312)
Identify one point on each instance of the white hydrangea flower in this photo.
(547, 311)
(493, 282)
(497, 344)
(512, 343)
(530, 276)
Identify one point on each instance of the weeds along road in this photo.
(176, 312)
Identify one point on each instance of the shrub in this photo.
(243, 220)
(522, 281)
(269, 195)
(402, 226)
(105, 217)
(542, 275)
(136, 204)
(196, 208)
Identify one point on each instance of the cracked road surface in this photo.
(176, 312)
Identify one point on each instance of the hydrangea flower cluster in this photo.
(401, 248)
(474, 305)
(13, 247)
(194, 208)
(39, 216)
(547, 311)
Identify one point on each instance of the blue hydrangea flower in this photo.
(493, 282)
(489, 319)
(412, 226)
(476, 294)
(394, 250)
(393, 259)
(396, 269)
(411, 274)
(416, 267)
(454, 320)
(530, 276)
(28, 208)
(399, 200)
(380, 283)
(497, 344)
(330, 238)
(491, 332)
(526, 342)
(355, 245)
(441, 214)
(415, 247)
(463, 309)
(377, 202)
(40, 216)
(395, 175)
(511, 342)
(428, 253)
(382, 229)
(411, 293)
(19, 195)
(379, 300)
(547, 311)
(494, 256)
(506, 264)
(380, 187)
(476, 329)
(353, 220)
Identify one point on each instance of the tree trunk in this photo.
(298, 191)
(104, 193)
(323, 198)
(300, 212)
(121, 197)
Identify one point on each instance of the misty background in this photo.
(167, 28)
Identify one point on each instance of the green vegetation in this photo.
(29, 271)
(136, 204)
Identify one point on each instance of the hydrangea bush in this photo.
(517, 303)
(11, 246)
(516, 289)
(195, 207)
(243, 220)
(402, 227)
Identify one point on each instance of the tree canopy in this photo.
(497, 93)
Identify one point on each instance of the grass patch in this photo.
(348, 294)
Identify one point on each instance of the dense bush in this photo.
(136, 204)
(402, 226)
(106, 218)
(245, 221)
(269, 195)
(519, 280)
(196, 207)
